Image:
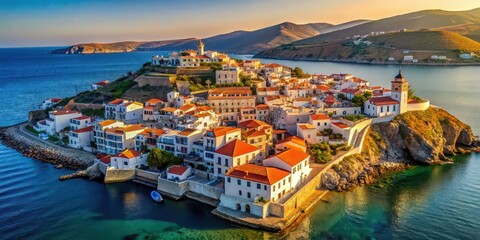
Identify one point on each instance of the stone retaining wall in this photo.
(115, 175)
(147, 174)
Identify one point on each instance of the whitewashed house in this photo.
(59, 120)
(81, 138)
(234, 153)
(178, 173)
(128, 160)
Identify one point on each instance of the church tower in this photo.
(400, 91)
(200, 47)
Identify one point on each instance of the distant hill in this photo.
(445, 25)
(427, 19)
(420, 44)
(241, 42)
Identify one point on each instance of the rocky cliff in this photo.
(424, 137)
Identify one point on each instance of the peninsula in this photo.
(262, 143)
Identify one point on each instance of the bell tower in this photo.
(400, 91)
(200, 47)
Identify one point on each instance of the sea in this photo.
(424, 202)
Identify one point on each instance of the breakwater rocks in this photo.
(31, 146)
(91, 173)
(423, 137)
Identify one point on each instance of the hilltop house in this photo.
(124, 110)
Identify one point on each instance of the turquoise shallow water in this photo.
(439, 202)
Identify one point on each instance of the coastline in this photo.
(17, 138)
(370, 62)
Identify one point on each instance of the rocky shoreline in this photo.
(30, 146)
(414, 138)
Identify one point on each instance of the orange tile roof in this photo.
(253, 133)
(169, 109)
(252, 123)
(153, 101)
(294, 139)
(306, 126)
(83, 118)
(302, 99)
(319, 116)
(262, 107)
(155, 131)
(117, 101)
(187, 132)
(236, 148)
(102, 83)
(260, 174)
(128, 153)
(177, 169)
(292, 156)
(107, 123)
(187, 107)
(220, 131)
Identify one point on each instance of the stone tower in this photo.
(400, 91)
(200, 47)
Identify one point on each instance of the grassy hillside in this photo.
(422, 45)
(427, 40)
(428, 19)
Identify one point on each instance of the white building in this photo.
(128, 159)
(184, 141)
(59, 120)
(99, 135)
(214, 139)
(80, 122)
(390, 106)
(125, 111)
(294, 161)
(48, 103)
(119, 138)
(232, 154)
(81, 138)
(178, 173)
(98, 85)
(229, 74)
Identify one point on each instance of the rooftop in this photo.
(236, 148)
(260, 174)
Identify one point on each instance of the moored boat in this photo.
(156, 196)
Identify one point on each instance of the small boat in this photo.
(156, 196)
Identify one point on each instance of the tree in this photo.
(298, 72)
(161, 159)
(320, 152)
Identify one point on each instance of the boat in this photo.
(156, 196)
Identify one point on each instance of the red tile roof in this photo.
(63, 112)
(236, 148)
(340, 125)
(252, 123)
(292, 156)
(102, 83)
(83, 130)
(83, 118)
(319, 116)
(380, 101)
(117, 101)
(259, 174)
(177, 169)
(220, 131)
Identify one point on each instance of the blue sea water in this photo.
(439, 202)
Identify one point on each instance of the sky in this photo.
(66, 22)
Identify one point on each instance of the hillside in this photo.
(427, 19)
(241, 42)
(421, 44)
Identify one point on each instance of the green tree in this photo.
(298, 72)
(320, 152)
(161, 159)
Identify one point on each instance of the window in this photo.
(240, 192)
(248, 195)
(239, 182)
(274, 188)
(248, 184)
(259, 186)
(226, 162)
(219, 160)
(265, 187)
(219, 170)
(228, 179)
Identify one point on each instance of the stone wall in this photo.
(418, 106)
(116, 175)
(172, 188)
(147, 174)
(155, 81)
(259, 210)
(204, 189)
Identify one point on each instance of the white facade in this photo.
(59, 120)
(228, 75)
(128, 160)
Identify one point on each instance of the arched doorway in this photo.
(238, 207)
(247, 208)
